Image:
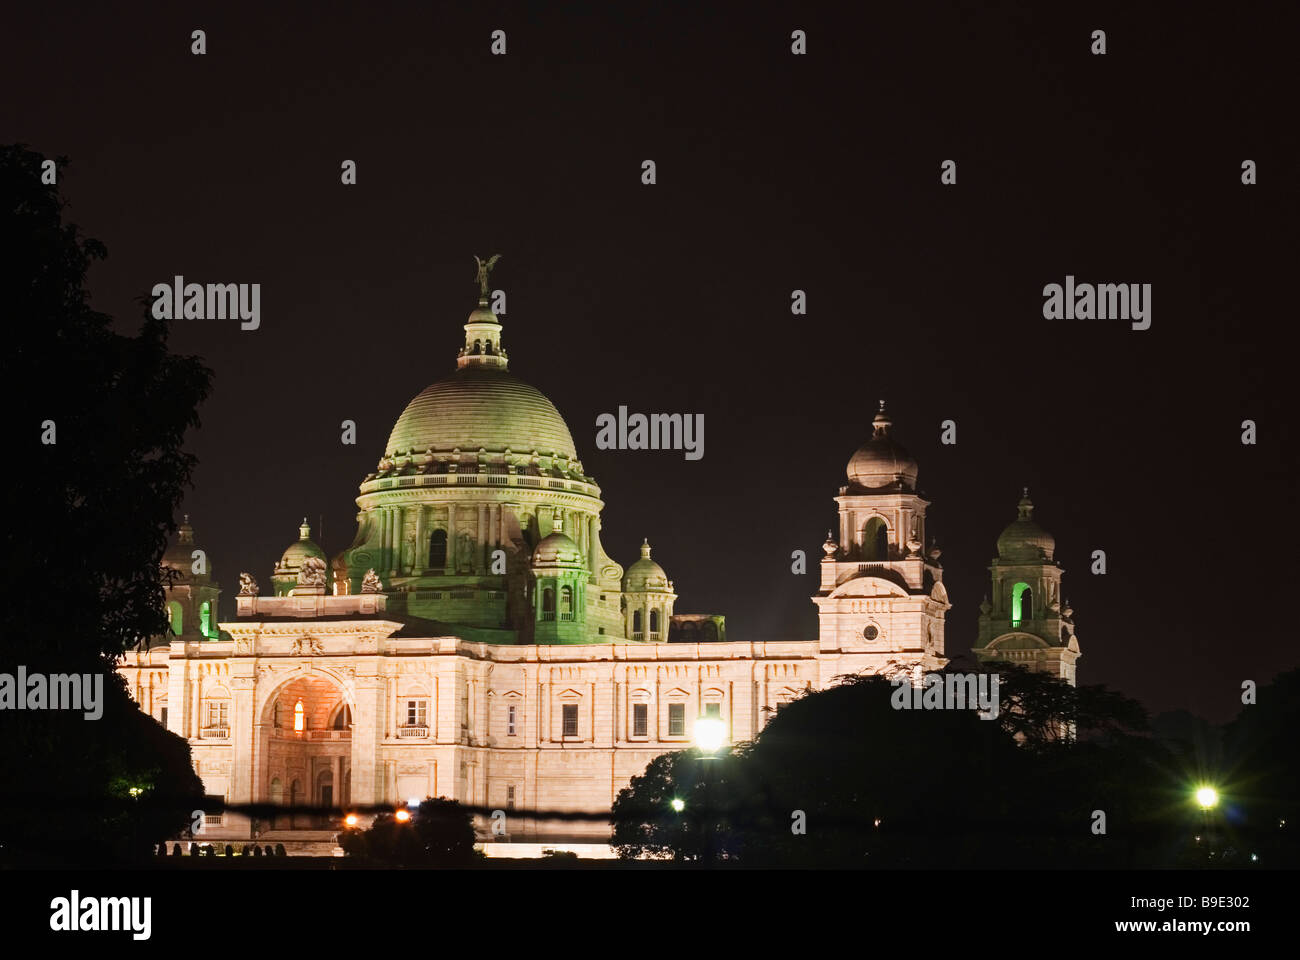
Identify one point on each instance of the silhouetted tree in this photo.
(438, 834)
(82, 547)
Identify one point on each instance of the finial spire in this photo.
(304, 530)
(881, 424)
(645, 549)
(1025, 508)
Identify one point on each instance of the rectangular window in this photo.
(217, 714)
(640, 719)
(570, 719)
(417, 712)
(713, 710)
(164, 716)
(510, 723)
(676, 719)
(510, 796)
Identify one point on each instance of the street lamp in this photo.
(403, 815)
(1207, 797)
(710, 734)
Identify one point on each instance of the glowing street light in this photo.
(678, 805)
(710, 734)
(1207, 797)
(403, 816)
(351, 820)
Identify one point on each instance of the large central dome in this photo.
(481, 406)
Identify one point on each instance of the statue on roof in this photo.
(370, 583)
(312, 572)
(247, 585)
(485, 268)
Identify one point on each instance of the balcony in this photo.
(548, 616)
(415, 731)
(215, 733)
(329, 734)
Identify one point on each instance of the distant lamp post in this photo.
(1207, 797)
(403, 815)
(350, 820)
(678, 805)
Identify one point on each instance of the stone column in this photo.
(243, 734)
(451, 537)
(366, 728)
(481, 536)
(417, 562)
(591, 545)
(398, 541)
(385, 536)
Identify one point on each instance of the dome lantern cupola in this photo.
(483, 329)
(1023, 539)
(882, 461)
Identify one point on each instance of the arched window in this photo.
(299, 716)
(438, 550)
(1022, 603)
(548, 604)
(566, 603)
(343, 719)
(654, 621)
(875, 540)
(176, 616)
(205, 619)
(636, 621)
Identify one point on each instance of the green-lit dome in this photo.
(557, 550)
(481, 407)
(300, 549)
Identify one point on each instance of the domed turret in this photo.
(557, 549)
(180, 555)
(646, 576)
(285, 575)
(1023, 539)
(881, 461)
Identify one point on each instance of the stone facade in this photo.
(475, 642)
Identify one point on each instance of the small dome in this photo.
(300, 550)
(180, 555)
(646, 576)
(881, 461)
(557, 550)
(1023, 539)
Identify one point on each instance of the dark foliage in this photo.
(91, 515)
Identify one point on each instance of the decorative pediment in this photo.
(1018, 641)
(868, 586)
(677, 693)
(570, 696)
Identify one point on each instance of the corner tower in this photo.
(190, 592)
(882, 601)
(1027, 622)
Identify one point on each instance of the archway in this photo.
(1022, 603)
(875, 540)
(310, 748)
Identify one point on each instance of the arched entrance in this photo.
(306, 744)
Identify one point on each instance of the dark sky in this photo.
(776, 172)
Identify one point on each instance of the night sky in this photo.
(775, 172)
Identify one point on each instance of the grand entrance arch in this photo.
(305, 730)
